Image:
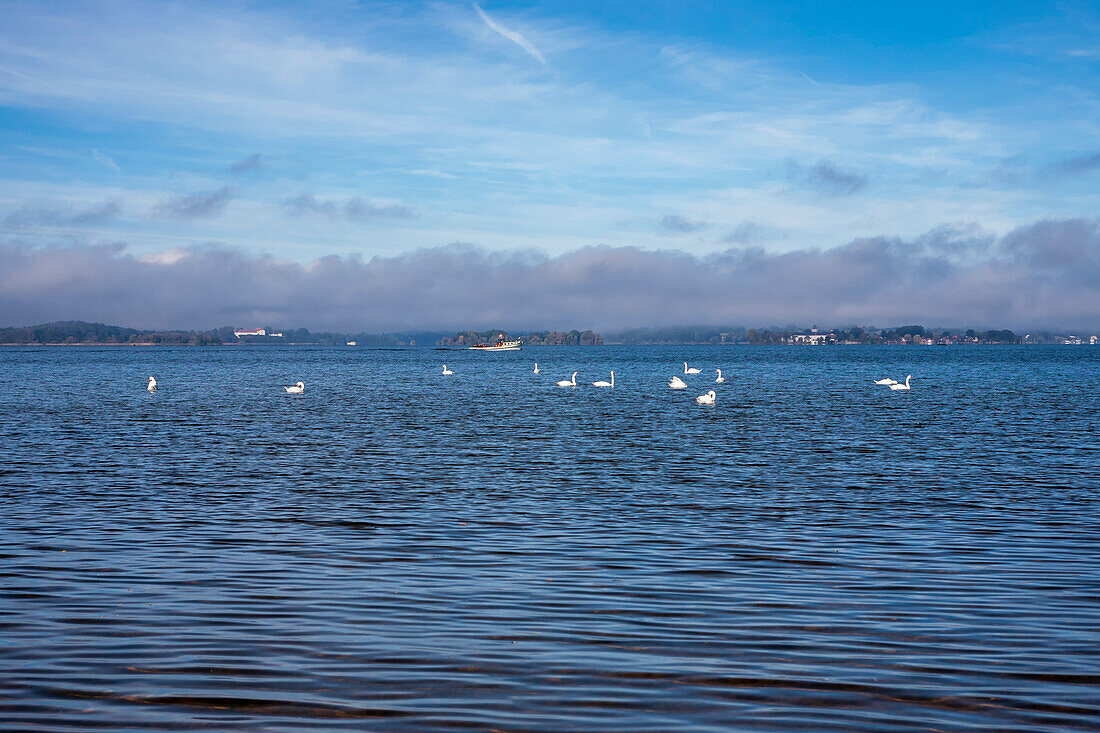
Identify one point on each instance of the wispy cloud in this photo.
(514, 36)
(748, 232)
(355, 208)
(1043, 275)
(1077, 165)
(246, 165)
(680, 224)
(827, 178)
(196, 206)
(105, 160)
(29, 216)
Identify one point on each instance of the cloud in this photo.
(29, 216)
(355, 209)
(106, 161)
(196, 206)
(749, 231)
(251, 163)
(826, 178)
(680, 224)
(1077, 165)
(1046, 274)
(513, 36)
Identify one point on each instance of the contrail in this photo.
(513, 36)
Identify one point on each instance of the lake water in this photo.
(398, 550)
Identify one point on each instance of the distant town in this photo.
(83, 333)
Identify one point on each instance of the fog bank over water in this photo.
(1046, 274)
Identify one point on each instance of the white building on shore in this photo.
(246, 332)
(813, 338)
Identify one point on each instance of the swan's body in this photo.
(693, 370)
(299, 388)
(676, 383)
(446, 371)
(569, 382)
(902, 387)
(887, 380)
(152, 385)
(706, 399)
(602, 383)
(720, 377)
(536, 367)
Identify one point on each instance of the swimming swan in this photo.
(706, 399)
(446, 371)
(902, 387)
(299, 388)
(602, 383)
(720, 377)
(676, 383)
(536, 367)
(693, 370)
(569, 383)
(152, 385)
(887, 380)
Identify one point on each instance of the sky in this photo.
(387, 166)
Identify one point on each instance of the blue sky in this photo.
(695, 126)
(298, 131)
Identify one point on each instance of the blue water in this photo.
(398, 550)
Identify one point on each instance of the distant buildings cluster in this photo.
(904, 335)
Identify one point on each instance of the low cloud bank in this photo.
(1046, 275)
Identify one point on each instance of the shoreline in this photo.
(463, 348)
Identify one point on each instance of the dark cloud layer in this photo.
(355, 209)
(197, 206)
(1043, 275)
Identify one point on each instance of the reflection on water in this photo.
(398, 549)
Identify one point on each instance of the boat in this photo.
(500, 345)
(352, 343)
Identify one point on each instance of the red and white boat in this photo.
(500, 345)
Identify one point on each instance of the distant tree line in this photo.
(80, 332)
(535, 338)
(786, 335)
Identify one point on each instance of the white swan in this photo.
(887, 380)
(706, 399)
(570, 382)
(693, 370)
(446, 371)
(602, 383)
(676, 383)
(298, 388)
(536, 367)
(720, 377)
(902, 387)
(152, 385)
